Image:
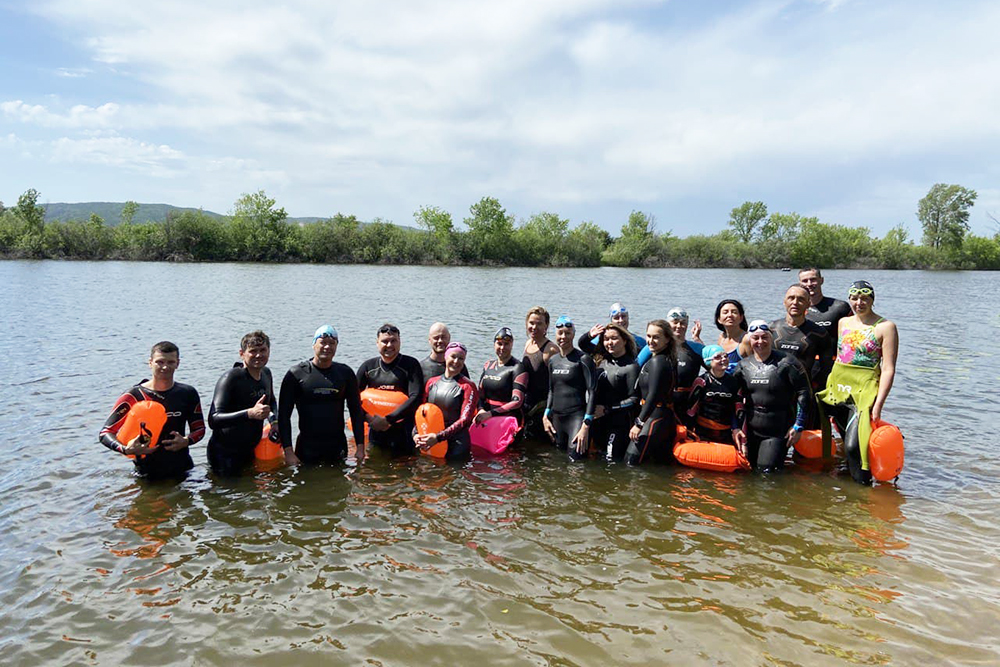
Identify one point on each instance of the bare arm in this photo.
(890, 348)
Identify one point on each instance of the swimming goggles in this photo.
(759, 326)
(389, 329)
(564, 322)
(860, 291)
(618, 309)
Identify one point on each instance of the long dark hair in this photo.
(739, 307)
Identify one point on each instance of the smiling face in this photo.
(325, 349)
(388, 345)
(679, 328)
(729, 315)
(861, 303)
(255, 357)
(813, 283)
(564, 338)
(620, 318)
(718, 364)
(536, 327)
(760, 342)
(439, 337)
(656, 339)
(454, 361)
(502, 348)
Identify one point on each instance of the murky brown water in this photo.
(524, 559)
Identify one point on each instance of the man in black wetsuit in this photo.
(825, 312)
(392, 371)
(433, 364)
(805, 340)
(243, 401)
(319, 388)
(169, 456)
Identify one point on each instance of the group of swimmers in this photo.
(608, 393)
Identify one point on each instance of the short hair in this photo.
(165, 347)
(254, 339)
(798, 286)
(387, 328)
(819, 274)
(538, 310)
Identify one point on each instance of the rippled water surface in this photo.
(524, 559)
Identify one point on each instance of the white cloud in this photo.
(385, 104)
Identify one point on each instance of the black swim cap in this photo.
(861, 287)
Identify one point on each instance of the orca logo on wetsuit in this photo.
(824, 324)
(721, 394)
(175, 414)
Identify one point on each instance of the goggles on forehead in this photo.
(860, 291)
(759, 326)
(564, 322)
(618, 309)
(503, 332)
(389, 329)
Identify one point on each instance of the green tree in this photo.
(439, 224)
(746, 218)
(490, 231)
(944, 215)
(259, 231)
(636, 243)
(540, 240)
(128, 212)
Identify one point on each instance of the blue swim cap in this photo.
(710, 351)
(325, 330)
(564, 321)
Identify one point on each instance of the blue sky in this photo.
(842, 109)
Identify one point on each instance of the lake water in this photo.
(524, 559)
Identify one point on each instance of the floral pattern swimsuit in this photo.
(860, 347)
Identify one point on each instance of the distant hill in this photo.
(111, 212)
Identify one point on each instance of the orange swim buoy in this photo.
(266, 450)
(682, 433)
(430, 419)
(810, 444)
(716, 456)
(381, 402)
(145, 417)
(885, 451)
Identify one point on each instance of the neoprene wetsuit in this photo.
(234, 433)
(656, 421)
(826, 314)
(183, 407)
(776, 397)
(320, 395)
(502, 387)
(458, 399)
(616, 380)
(402, 374)
(713, 405)
(571, 397)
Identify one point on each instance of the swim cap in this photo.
(710, 351)
(759, 325)
(618, 309)
(453, 346)
(677, 313)
(564, 321)
(503, 332)
(325, 330)
(862, 287)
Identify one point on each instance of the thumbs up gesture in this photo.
(260, 410)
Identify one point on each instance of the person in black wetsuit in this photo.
(392, 371)
(655, 429)
(776, 396)
(320, 388)
(805, 340)
(569, 410)
(433, 364)
(170, 455)
(457, 397)
(243, 401)
(616, 405)
(538, 350)
(618, 314)
(715, 400)
(689, 361)
(825, 312)
(503, 381)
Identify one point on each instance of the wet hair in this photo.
(165, 347)
(671, 349)
(255, 339)
(811, 268)
(739, 307)
(600, 354)
(538, 310)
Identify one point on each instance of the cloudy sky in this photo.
(843, 109)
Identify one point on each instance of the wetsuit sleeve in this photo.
(109, 434)
(353, 400)
(588, 344)
(656, 373)
(590, 371)
(196, 421)
(470, 396)
(414, 392)
(742, 398)
(516, 394)
(361, 375)
(286, 403)
(644, 355)
(222, 400)
(548, 401)
(803, 393)
(697, 389)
